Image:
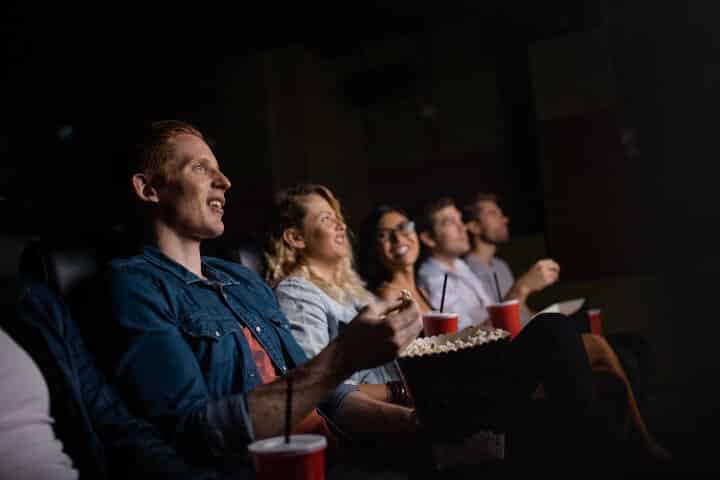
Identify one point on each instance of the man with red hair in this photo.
(201, 347)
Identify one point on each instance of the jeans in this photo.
(568, 427)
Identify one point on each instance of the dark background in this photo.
(594, 120)
(260, 81)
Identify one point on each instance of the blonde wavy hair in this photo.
(284, 261)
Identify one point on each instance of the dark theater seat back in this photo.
(62, 268)
(73, 268)
(248, 254)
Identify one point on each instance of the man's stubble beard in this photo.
(496, 242)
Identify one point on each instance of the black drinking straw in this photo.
(288, 408)
(497, 287)
(442, 299)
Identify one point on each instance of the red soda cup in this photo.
(595, 321)
(506, 315)
(301, 459)
(436, 323)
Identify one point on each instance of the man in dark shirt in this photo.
(488, 227)
(97, 432)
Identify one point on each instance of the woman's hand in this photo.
(379, 333)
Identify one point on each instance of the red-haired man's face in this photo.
(191, 201)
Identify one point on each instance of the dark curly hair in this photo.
(372, 271)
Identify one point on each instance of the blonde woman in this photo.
(310, 266)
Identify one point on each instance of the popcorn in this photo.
(452, 342)
(406, 298)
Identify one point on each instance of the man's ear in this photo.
(473, 226)
(427, 240)
(143, 189)
(294, 238)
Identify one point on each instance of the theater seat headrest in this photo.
(248, 254)
(62, 268)
(64, 263)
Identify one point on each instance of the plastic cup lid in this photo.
(440, 314)
(299, 444)
(504, 304)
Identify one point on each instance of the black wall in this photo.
(668, 70)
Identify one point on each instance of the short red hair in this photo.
(154, 151)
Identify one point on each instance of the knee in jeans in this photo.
(554, 328)
(552, 322)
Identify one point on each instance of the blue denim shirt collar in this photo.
(155, 256)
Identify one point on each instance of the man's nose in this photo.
(221, 181)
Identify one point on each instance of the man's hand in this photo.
(378, 333)
(375, 336)
(543, 274)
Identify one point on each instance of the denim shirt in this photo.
(103, 439)
(183, 360)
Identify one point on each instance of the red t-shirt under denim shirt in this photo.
(313, 422)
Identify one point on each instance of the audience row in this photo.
(198, 351)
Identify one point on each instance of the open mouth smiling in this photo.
(217, 205)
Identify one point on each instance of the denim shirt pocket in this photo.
(213, 339)
(208, 326)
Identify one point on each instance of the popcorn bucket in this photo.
(454, 379)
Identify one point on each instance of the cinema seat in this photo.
(72, 267)
(62, 267)
(246, 252)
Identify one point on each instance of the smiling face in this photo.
(191, 197)
(397, 244)
(324, 233)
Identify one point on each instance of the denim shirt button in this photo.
(217, 333)
(257, 329)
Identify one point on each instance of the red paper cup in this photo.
(595, 320)
(506, 315)
(301, 459)
(436, 323)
